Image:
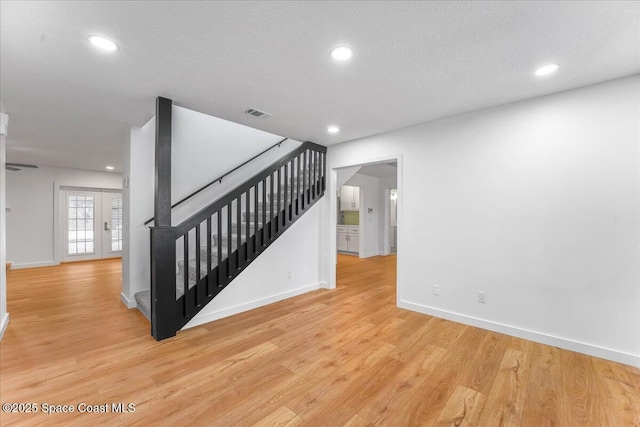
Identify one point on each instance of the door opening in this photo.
(91, 224)
(377, 218)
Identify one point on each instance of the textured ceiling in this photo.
(73, 106)
(380, 170)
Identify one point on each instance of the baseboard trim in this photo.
(130, 303)
(3, 325)
(34, 265)
(220, 314)
(564, 343)
(370, 254)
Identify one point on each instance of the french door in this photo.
(92, 225)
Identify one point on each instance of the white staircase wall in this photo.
(266, 280)
(203, 148)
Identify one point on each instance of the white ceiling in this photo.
(73, 106)
(380, 170)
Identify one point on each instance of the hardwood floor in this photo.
(346, 357)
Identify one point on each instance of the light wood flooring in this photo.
(346, 357)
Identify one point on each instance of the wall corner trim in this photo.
(129, 303)
(3, 325)
(564, 343)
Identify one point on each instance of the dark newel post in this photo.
(163, 238)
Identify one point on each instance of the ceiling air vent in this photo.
(257, 113)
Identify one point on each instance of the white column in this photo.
(4, 316)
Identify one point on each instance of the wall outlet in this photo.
(436, 289)
(482, 297)
(289, 274)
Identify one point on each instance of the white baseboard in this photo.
(34, 264)
(3, 325)
(220, 314)
(370, 254)
(130, 303)
(564, 343)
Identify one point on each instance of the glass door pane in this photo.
(81, 211)
(116, 223)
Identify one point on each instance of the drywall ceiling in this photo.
(71, 105)
(380, 170)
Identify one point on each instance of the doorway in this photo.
(375, 179)
(91, 224)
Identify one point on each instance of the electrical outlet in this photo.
(436, 289)
(289, 274)
(482, 297)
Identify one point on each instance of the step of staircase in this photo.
(234, 236)
(143, 299)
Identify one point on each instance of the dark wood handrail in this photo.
(220, 178)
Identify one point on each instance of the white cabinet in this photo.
(349, 198)
(342, 243)
(348, 238)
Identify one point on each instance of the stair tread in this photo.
(143, 300)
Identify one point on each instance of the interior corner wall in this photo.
(384, 184)
(138, 173)
(536, 203)
(30, 209)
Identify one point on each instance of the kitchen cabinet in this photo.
(349, 198)
(348, 238)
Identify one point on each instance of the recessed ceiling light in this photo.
(333, 129)
(546, 70)
(341, 53)
(103, 43)
(110, 168)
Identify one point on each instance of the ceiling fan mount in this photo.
(13, 167)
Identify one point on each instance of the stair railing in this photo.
(251, 216)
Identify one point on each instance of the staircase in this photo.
(195, 260)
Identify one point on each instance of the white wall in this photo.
(385, 184)
(536, 203)
(30, 201)
(138, 175)
(4, 315)
(265, 280)
(203, 148)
